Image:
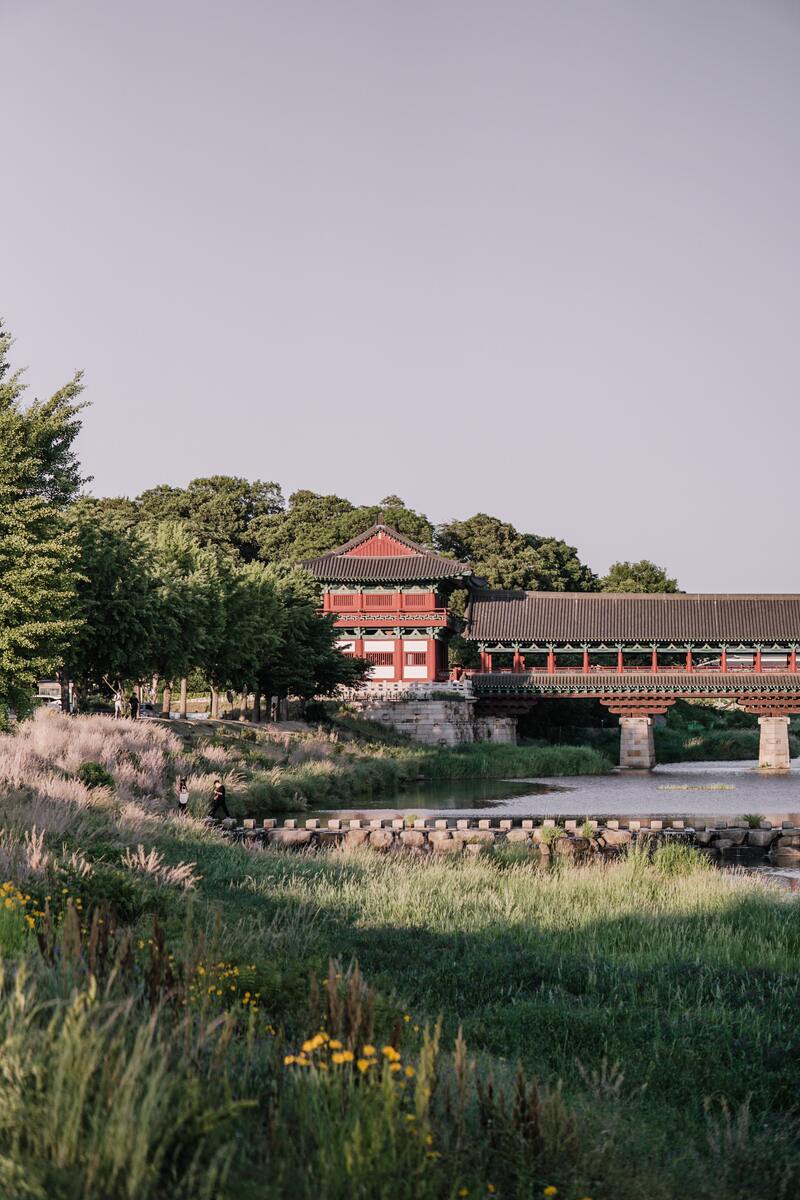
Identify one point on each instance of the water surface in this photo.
(675, 790)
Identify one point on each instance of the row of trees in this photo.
(204, 578)
(253, 521)
(100, 596)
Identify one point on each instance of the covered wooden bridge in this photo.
(637, 654)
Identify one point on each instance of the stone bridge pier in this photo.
(636, 746)
(773, 743)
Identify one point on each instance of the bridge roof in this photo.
(571, 618)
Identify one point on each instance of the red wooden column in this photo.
(399, 658)
(516, 662)
(620, 661)
(431, 658)
(689, 662)
(586, 660)
(758, 659)
(654, 660)
(551, 661)
(793, 660)
(358, 648)
(723, 660)
(486, 661)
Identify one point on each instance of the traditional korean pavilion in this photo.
(636, 654)
(389, 596)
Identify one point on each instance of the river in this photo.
(722, 790)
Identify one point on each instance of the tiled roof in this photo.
(334, 568)
(571, 618)
(343, 565)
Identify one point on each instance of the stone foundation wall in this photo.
(502, 730)
(441, 722)
(431, 722)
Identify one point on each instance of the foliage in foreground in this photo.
(181, 1016)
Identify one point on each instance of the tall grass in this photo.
(159, 1041)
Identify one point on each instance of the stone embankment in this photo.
(573, 839)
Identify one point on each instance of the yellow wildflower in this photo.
(550, 1191)
(368, 1050)
(343, 1056)
(363, 1065)
(335, 1044)
(410, 1072)
(391, 1053)
(463, 1191)
(490, 1188)
(288, 1060)
(395, 1067)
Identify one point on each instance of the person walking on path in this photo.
(119, 704)
(133, 701)
(218, 802)
(183, 796)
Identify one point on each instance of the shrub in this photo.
(752, 820)
(94, 775)
(550, 833)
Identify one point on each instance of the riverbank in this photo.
(182, 1016)
(270, 771)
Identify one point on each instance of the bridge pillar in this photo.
(773, 745)
(636, 747)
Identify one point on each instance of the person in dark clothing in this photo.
(133, 703)
(218, 803)
(183, 796)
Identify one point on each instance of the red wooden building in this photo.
(389, 594)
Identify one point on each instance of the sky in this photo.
(537, 258)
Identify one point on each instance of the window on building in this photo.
(416, 600)
(342, 599)
(380, 600)
(416, 658)
(380, 658)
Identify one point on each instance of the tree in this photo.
(38, 476)
(189, 601)
(508, 559)
(248, 630)
(117, 601)
(218, 511)
(307, 662)
(313, 524)
(642, 576)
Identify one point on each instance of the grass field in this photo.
(194, 1018)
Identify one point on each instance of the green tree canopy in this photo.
(306, 662)
(313, 524)
(642, 576)
(117, 601)
(38, 476)
(217, 511)
(509, 559)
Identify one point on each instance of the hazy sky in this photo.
(539, 258)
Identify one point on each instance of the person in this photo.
(119, 704)
(133, 701)
(183, 796)
(218, 802)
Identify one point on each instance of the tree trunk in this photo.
(243, 706)
(167, 702)
(184, 709)
(214, 704)
(64, 681)
(257, 708)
